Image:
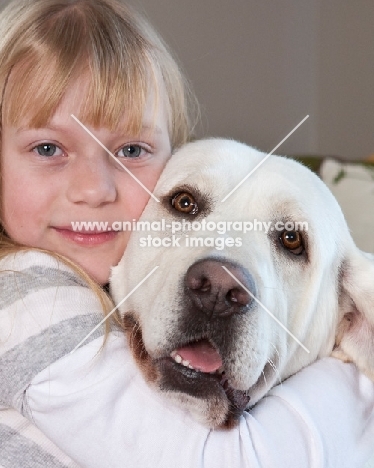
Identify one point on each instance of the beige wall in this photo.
(259, 66)
(346, 78)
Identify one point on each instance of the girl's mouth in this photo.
(88, 238)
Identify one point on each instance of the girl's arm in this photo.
(97, 408)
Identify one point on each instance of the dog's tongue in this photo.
(201, 355)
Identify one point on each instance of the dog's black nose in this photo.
(215, 292)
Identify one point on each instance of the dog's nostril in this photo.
(239, 297)
(213, 291)
(201, 284)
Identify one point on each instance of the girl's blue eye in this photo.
(46, 149)
(130, 151)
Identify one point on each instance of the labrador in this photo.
(256, 279)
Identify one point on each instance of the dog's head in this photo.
(228, 314)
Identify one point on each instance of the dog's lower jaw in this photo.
(209, 397)
(216, 405)
(211, 413)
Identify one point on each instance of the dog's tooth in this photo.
(177, 358)
(186, 363)
(190, 367)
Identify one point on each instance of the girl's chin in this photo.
(98, 270)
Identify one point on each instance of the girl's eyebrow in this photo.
(26, 128)
(57, 128)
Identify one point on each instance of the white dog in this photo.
(217, 339)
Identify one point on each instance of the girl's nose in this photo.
(92, 181)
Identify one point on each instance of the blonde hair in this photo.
(46, 45)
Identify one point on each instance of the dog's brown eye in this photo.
(185, 203)
(292, 241)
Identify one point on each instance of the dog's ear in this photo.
(355, 334)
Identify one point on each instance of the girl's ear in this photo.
(355, 333)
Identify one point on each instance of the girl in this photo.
(86, 84)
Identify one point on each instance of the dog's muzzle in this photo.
(214, 301)
(213, 297)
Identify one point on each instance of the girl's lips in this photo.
(89, 238)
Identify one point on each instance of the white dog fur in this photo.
(322, 292)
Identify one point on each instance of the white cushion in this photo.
(353, 186)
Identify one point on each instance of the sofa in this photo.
(352, 183)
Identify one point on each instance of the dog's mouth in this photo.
(200, 356)
(195, 369)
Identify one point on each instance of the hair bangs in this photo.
(39, 86)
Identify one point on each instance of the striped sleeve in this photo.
(23, 445)
(45, 311)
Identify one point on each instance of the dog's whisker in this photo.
(133, 334)
(264, 376)
(275, 369)
(275, 349)
(272, 365)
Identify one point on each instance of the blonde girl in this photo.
(86, 84)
